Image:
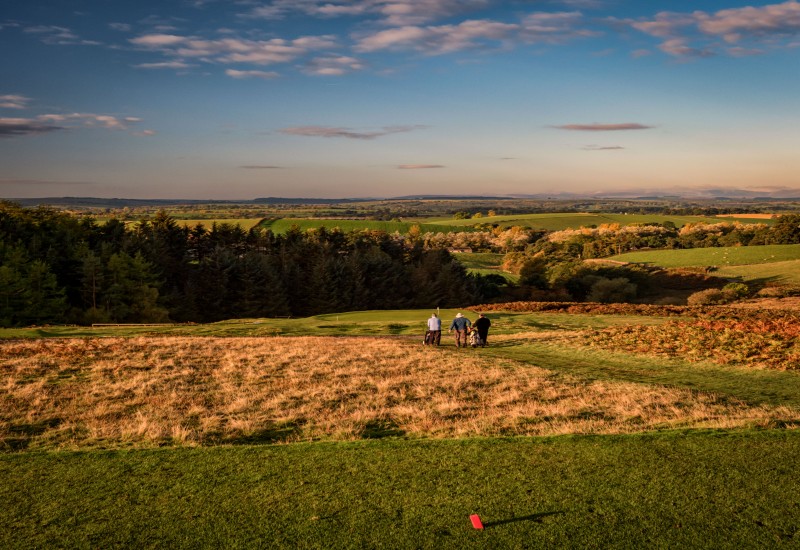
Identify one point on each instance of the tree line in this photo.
(57, 268)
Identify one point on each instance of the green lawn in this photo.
(722, 256)
(778, 272)
(671, 490)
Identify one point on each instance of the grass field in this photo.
(160, 437)
(282, 225)
(778, 263)
(558, 222)
(485, 263)
(244, 223)
(672, 490)
(722, 256)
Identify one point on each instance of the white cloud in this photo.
(333, 65)
(235, 50)
(163, 65)
(348, 133)
(389, 12)
(233, 73)
(14, 101)
(697, 34)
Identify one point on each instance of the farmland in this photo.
(722, 256)
(561, 221)
(283, 224)
(774, 264)
(631, 447)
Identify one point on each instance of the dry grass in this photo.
(148, 391)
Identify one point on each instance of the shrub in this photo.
(608, 291)
(707, 297)
(736, 290)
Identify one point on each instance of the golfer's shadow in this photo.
(533, 517)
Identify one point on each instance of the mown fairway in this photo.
(164, 436)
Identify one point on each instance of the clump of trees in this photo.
(56, 268)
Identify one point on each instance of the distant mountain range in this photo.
(706, 194)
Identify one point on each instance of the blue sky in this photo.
(216, 99)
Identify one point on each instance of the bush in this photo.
(607, 291)
(709, 297)
(736, 291)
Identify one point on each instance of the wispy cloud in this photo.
(14, 101)
(333, 65)
(534, 28)
(702, 34)
(265, 75)
(348, 133)
(163, 65)
(41, 124)
(603, 148)
(14, 127)
(234, 50)
(55, 35)
(389, 12)
(604, 127)
(419, 166)
(122, 27)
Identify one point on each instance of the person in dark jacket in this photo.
(460, 324)
(483, 324)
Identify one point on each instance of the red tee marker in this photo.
(476, 521)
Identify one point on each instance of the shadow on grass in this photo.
(379, 429)
(273, 434)
(533, 517)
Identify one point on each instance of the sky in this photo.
(239, 99)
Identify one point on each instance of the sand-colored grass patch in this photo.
(149, 391)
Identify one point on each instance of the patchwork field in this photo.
(343, 430)
(282, 225)
(561, 221)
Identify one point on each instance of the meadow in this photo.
(342, 430)
(773, 264)
(561, 221)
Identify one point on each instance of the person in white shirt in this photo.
(434, 333)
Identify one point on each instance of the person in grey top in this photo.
(460, 324)
(434, 333)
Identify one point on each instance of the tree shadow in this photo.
(533, 517)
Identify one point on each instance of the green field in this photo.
(678, 490)
(558, 222)
(282, 225)
(485, 263)
(695, 488)
(244, 223)
(723, 256)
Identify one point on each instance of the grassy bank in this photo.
(699, 490)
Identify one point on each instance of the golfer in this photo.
(460, 324)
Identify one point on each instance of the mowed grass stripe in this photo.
(674, 490)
